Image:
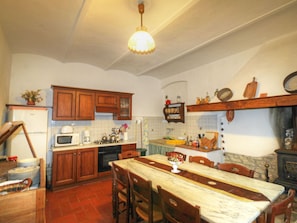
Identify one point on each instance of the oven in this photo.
(107, 154)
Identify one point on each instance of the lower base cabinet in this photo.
(127, 147)
(159, 149)
(72, 166)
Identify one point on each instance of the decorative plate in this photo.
(225, 94)
(290, 83)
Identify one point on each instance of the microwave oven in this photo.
(66, 139)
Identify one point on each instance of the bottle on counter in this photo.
(207, 98)
(190, 141)
(198, 100)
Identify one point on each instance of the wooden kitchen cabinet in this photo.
(87, 164)
(106, 102)
(85, 105)
(80, 104)
(124, 107)
(127, 147)
(73, 104)
(73, 166)
(64, 168)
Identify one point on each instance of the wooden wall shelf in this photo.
(174, 112)
(255, 103)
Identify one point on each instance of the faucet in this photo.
(169, 130)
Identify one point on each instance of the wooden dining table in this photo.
(223, 197)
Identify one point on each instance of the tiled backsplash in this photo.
(151, 127)
(156, 128)
(102, 125)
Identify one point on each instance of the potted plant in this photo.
(32, 97)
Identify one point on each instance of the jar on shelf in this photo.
(167, 101)
(198, 100)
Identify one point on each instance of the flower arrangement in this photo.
(32, 96)
(176, 158)
(124, 127)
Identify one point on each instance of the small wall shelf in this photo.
(174, 112)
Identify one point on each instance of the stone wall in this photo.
(256, 163)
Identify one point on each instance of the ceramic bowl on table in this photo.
(175, 165)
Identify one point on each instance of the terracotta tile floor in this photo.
(88, 203)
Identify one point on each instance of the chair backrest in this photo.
(129, 154)
(121, 189)
(141, 190)
(236, 168)
(201, 160)
(176, 210)
(120, 177)
(177, 154)
(283, 207)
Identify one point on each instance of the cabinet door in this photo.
(106, 102)
(64, 168)
(85, 105)
(64, 104)
(127, 147)
(125, 107)
(87, 164)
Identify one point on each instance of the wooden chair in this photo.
(121, 192)
(282, 209)
(129, 154)
(143, 204)
(201, 160)
(176, 210)
(177, 154)
(236, 168)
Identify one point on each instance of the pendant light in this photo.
(141, 42)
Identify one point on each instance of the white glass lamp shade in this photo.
(141, 42)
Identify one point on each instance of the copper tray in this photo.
(225, 94)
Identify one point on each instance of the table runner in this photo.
(209, 182)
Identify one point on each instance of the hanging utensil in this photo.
(251, 89)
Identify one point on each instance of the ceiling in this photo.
(188, 33)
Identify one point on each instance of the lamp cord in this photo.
(141, 11)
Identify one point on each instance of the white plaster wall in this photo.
(250, 133)
(5, 65)
(30, 72)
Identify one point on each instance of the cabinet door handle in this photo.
(74, 154)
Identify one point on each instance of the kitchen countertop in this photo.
(91, 145)
(163, 143)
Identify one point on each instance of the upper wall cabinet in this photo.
(80, 104)
(73, 104)
(124, 106)
(106, 102)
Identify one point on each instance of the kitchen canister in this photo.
(125, 136)
(20, 173)
(28, 162)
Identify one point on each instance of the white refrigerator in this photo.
(35, 120)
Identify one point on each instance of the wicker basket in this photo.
(16, 187)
